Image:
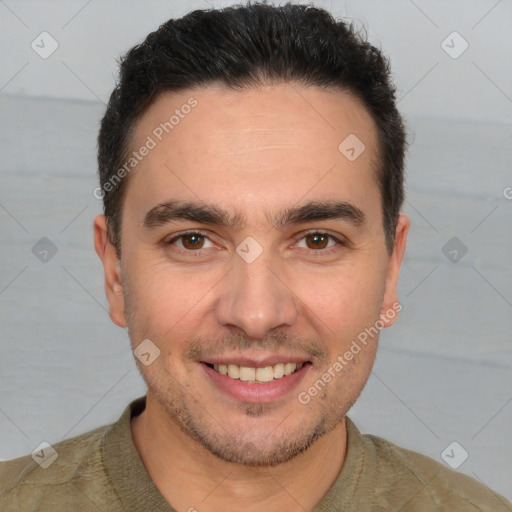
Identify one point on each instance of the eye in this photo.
(317, 240)
(191, 241)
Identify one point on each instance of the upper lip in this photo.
(255, 362)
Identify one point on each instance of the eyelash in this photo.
(304, 235)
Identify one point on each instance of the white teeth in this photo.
(289, 368)
(233, 371)
(247, 374)
(263, 374)
(278, 371)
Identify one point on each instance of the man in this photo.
(251, 168)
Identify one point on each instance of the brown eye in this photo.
(320, 243)
(192, 241)
(317, 241)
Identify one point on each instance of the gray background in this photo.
(443, 372)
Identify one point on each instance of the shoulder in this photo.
(30, 478)
(428, 482)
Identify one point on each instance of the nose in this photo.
(256, 298)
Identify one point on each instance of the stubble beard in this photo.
(267, 450)
(278, 446)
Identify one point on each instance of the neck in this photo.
(192, 479)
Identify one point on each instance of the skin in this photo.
(254, 152)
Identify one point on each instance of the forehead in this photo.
(259, 148)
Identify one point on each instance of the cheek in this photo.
(343, 301)
(166, 301)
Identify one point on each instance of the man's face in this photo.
(283, 284)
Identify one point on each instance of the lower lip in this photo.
(264, 392)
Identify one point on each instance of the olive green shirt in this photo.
(102, 471)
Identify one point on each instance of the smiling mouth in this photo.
(260, 375)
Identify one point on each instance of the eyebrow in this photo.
(203, 213)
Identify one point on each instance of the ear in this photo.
(112, 269)
(390, 305)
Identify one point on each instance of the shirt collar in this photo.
(125, 467)
(352, 489)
